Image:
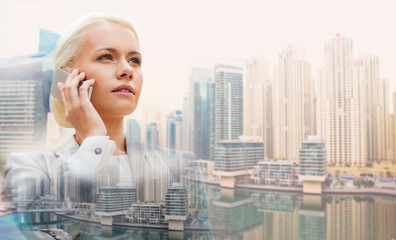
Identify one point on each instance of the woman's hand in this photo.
(79, 110)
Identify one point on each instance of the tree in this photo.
(328, 181)
(357, 183)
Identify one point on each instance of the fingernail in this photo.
(59, 84)
(75, 70)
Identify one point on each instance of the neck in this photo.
(115, 130)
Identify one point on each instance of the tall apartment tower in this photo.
(199, 130)
(394, 127)
(174, 130)
(228, 102)
(24, 83)
(152, 135)
(257, 103)
(341, 105)
(186, 121)
(375, 113)
(133, 130)
(212, 118)
(293, 101)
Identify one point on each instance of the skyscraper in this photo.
(293, 101)
(199, 120)
(228, 102)
(152, 135)
(258, 103)
(394, 127)
(186, 121)
(341, 105)
(23, 104)
(133, 130)
(174, 130)
(375, 95)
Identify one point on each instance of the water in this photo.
(251, 214)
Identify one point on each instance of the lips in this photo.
(124, 88)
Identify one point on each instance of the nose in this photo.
(125, 71)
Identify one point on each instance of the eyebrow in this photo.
(114, 51)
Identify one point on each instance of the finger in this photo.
(62, 95)
(66, 87)
(84, 89)
(72, 88)
(72, 75)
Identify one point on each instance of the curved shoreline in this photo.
(137, 225)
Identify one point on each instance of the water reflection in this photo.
(249, 214)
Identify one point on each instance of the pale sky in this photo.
(177, 35)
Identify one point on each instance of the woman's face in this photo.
(111, 55)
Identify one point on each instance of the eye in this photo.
(135, 60)
(105, 57)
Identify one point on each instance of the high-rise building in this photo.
(375, 95)
(293, 101)
(312, 160)
(234, 157)
(25, 83)
(133, 130)
(390, 137)
(23, 104)
(212, 109)
(341, 106)
(186, 121)
(199, 105)
(394, 127)
(228, 102)
(258, 103)
(174, 130)
(152, 135)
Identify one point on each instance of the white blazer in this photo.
(143, 167)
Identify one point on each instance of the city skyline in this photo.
(245, 29)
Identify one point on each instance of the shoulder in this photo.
(35, 159)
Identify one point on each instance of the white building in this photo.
(275, 172)
(341, 107)
(148, 213)
(293, 103)
(237, 157)
(312, 160)
(375, 112)
(257, 104)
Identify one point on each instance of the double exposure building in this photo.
(114, 201)
(312, 160)
(146, 213)
(275, 172)
(176, 206)
(236, 158)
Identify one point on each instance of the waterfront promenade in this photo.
(345, 190)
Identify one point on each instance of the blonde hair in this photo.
(69, 46)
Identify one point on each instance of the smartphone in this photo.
(60, 75)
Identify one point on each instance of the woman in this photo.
(104, 51)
